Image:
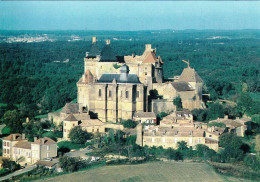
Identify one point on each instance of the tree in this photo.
(13, 121)
(129, 123)
(33, 129)
(257, 145)
(256, 119)
(216, 110)
(244, 103)
(11, 165)
(79, 136)
(171, 153)
(200, 114)
(178, 103)
(232, 147)
(182, 146)
(69, 164)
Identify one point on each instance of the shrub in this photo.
(129, 123)
(79, 136)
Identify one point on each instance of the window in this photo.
(145, 73)
(126, 94)
(4, 150)
(110, 93)
(64, 130)
(199, 140)
(190, 139)
(153, 140)
(176, 140)
(7, 151)
(73, 125)
(4, 143)
(48, 147)
(99, 92)
(137, 94)
(7, 144)
(121, 93)
(98, 130)
(48, 154)
(163, 139)
(64, 124)
(93, 130)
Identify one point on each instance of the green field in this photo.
(155, 171)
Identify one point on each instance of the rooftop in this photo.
(70, 108)
(91, 122)
(145, 114)
(71, 117)
(23, 144)
(182, 86)
(190, 75)
(44, 141)
(108, 78)
(94, 51)
(13, 137)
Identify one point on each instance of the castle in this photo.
(115, 87)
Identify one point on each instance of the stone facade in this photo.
(19, 149)
(178, 126)
(101, 88)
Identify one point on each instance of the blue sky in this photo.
(129, 15)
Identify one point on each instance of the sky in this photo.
(129, 15)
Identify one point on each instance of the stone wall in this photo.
(162, 105)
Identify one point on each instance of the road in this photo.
(21, 171)
(78, 153)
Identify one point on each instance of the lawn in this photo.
(70, 145)
(154, 171)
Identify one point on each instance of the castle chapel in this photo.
(115, 87)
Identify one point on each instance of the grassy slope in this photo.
(155, 171)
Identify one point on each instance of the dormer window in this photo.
(99, 92)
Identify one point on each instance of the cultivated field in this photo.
(155, 171)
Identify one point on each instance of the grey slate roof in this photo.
(108, 78)
(70, 108)
(182, 86)
(108, 55)
(94, 51)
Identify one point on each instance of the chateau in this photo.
(115, 87)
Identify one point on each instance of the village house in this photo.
(237, 126)
(90, 125)
(19, 149)
(145, 117)
(176, 127)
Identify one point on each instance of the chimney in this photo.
(108, 42)
(94, 40)
(34, 139)
(87, 54)
(148, 46)
(23, 136)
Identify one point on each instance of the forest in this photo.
(35, 78)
